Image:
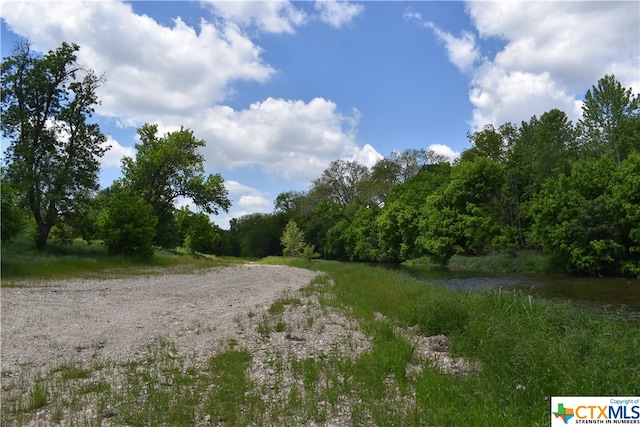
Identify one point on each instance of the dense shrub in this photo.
(127, 225)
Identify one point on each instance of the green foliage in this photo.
(166, 168)
(256, 235)
(54, 169)
(309, 252)
(200, 234)
(607, 106)
(541, 186)
(399, 219)
(127, 225)
(589, 219)
(293, 240)
(463, 217)
(625, 203)
(11, 216)
(361, 237)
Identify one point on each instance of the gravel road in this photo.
(47, 325)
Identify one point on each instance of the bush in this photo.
(11, 216)
(127, 225)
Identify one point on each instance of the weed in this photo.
(279, 306)
(280, 326)
(37, 397)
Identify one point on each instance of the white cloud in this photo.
(499, 95)
(367, 155)
(234, 187)
(462, 51)
(553, 52)
(338, 12)
(576, 42)
(152, 71)
(113, 157)
(268, 16)
(292, 139)
(253, 203)
(444, 150)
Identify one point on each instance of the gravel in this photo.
(44, 326)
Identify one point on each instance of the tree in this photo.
(127, 225)
(166, 168)
(342, 183)
(606, 107)
(52, 158)
(575, 221)
(293, 240)
(200, 235)
(464, 217)
(399, 220)
(11, 216)
(488, 142)
(256, 235)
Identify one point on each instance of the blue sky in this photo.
(280, 89)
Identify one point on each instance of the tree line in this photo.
(546, 184)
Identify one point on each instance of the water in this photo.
(604, 295)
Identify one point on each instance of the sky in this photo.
(279, 89)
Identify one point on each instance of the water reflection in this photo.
(602, 294)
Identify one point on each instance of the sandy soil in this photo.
(116, 318)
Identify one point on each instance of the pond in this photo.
(604, 295)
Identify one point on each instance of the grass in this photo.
(526, 350)
(21, 262)
(529, 349)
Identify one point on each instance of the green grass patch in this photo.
(21, 262)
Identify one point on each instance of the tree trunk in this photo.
(43, 234)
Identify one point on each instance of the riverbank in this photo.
(518, 262)
(357, 345)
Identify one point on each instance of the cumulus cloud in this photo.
(337, 12)
(462, 51)
(113, 157)
(245, 200)
(289, 138)
(253, 203)
(152, 71)
(367, 155)
(551, 53)
(178, 75)
(268, 16)
(444, 150)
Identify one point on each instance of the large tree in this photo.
(606, 109)
(167, 168)
(53, 154)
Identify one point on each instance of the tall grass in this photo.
(20, 260)
(528, 349)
